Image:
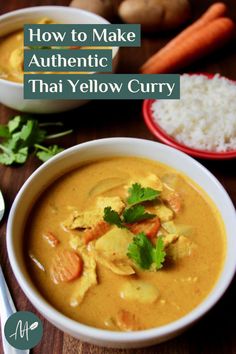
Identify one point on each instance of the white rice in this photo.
(205, 116)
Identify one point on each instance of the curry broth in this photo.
(182, 284)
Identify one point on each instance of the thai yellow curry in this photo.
(12, 55)
(124, 244)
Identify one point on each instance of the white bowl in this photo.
(11, 93)
(72, 158)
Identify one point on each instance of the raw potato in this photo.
(154, 15)
(104, 8)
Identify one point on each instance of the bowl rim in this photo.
(35, 9)
(164, 137)
(115, 337)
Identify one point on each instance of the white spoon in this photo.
(7, 307)
(2, 206)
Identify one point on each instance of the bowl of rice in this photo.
(203, 122)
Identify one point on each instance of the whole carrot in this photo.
(200, 43)
(215, 11)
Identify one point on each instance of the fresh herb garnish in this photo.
(136, 213)
(112, 217)
(45, 153)
(140, 251)
(139, 194)
(21, 136)
(131, 215)
(144, 254)
(158, 253)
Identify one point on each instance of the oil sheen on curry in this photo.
(124, 244)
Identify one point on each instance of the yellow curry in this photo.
(124, 244)
(12, 55)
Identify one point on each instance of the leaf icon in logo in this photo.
(34, 325)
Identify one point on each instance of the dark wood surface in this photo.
(215, 333)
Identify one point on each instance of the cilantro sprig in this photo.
(139, 194)
(112, 217)
(135, 212)
(23, 135)
(131, 215)
(144, 254)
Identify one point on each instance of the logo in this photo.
(23, 330)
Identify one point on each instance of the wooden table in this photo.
(215, 333)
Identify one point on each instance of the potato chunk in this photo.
(111, 251)
(140, 291)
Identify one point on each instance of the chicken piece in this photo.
(163, 212)
(111, 251)
(180, 248)
(86, 280)
(114, 202)
(88, 219)
(140, 291)
(151, 181)
(116, 266)
(84, 220)
(174, 201)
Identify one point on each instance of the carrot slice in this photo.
(150, 227)
(66, 266)
(127, 321)
(51, 239)
(200, 43)
(97, 231)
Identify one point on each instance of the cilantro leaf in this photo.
(14, 123)
(46, 153)
(21, 155)
(22, 135)
(7, 157)
(144, 254)
(4, 131)
(138, 194)
(159, 253)
(140, 251)
(136, 213)
(112, 217)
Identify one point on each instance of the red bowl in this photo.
(161, 134)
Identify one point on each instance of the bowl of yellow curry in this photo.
(122, 242)
(12, 54)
